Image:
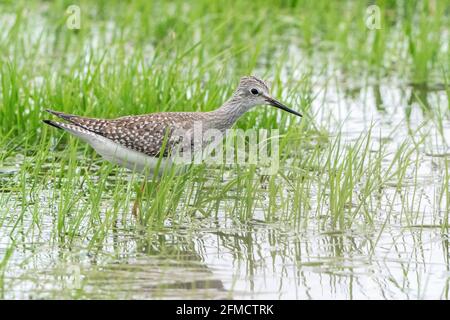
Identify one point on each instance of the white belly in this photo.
(120, 155)
(117, 154)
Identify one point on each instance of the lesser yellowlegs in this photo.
(135, 141)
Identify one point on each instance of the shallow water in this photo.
(224, 258)
(403, 255)
(255, 260)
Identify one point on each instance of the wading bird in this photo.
(136, 141)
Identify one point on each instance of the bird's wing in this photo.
(146, 133)
(143, 133)
(140, 133)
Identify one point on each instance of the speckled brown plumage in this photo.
(143, 133)
(146, 133)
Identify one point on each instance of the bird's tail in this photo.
(55, 124)
(89, 124)
(62, 115)
(71, 128)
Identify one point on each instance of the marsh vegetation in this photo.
(359, 207)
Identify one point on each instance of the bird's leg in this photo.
(136, 206)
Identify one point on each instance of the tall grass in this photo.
(143, 57)
(147, 56)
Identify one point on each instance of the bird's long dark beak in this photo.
(281, 106)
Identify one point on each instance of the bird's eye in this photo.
(254, 91)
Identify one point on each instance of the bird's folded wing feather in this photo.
(143, 133)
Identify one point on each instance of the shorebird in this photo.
(136, 141)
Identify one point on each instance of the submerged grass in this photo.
(138, 57)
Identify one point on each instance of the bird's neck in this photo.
(224, 117)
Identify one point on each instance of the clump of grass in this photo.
(423, 29)
(165, 61)
(188, 57)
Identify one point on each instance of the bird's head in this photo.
(253, 91)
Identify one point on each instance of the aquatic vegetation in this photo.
(359, 207)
